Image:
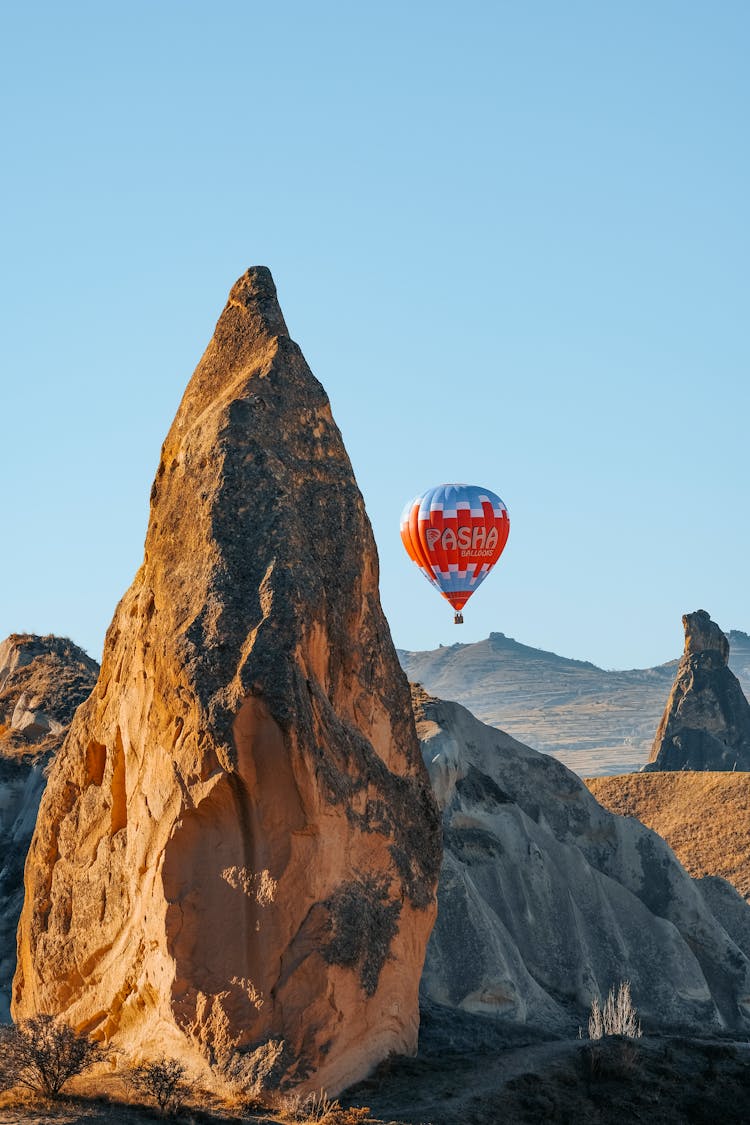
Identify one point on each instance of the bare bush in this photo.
(43, 1053)
(164, 1081)
(319, 1109)
(617, 1017)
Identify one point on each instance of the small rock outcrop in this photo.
(238, 841)
(546, 899)
(42, 682)
(706, 723)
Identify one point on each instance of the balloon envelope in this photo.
(455, 533)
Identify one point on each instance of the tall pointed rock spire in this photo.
(706, 723)
(238, 841)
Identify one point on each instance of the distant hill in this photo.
(739, 657)
(596, 722)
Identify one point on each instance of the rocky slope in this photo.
(706, 723)
(595, 721)
(238, 840)
(42, 682)
(546, 899)
(704, 817)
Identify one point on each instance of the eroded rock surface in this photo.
(546, 899)
(238, 840)
(42, 681)
(706, 723)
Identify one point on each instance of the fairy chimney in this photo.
(238, 841)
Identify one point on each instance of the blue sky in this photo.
(511, 240)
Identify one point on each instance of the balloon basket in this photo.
(458, 619)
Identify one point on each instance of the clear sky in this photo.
(511, 239)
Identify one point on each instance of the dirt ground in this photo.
(668, 1080)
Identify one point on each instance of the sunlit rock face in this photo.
(547, 900)
(706, 723)
(42, 681)
(238, 840)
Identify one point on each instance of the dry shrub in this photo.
(162, 1080)
(319, 1109)
(617, 1017)
(43, 1053)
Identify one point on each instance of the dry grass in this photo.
(617, 1017)
(665, 1080)
(319, 1109)
(704, 817)
(114, 1094)
(99, 1104)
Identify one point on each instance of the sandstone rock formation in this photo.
(706, 723)
(238, 841)
(546, 899)
(42, 681)
(703, 816)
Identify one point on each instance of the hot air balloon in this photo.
(455, 533)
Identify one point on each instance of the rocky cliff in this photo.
(706, 723)
(546, 899)
(238, 841)
(42, 681)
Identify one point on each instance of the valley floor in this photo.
(670, 1081)
(659, 1080)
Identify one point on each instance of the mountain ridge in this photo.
(597, 721)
